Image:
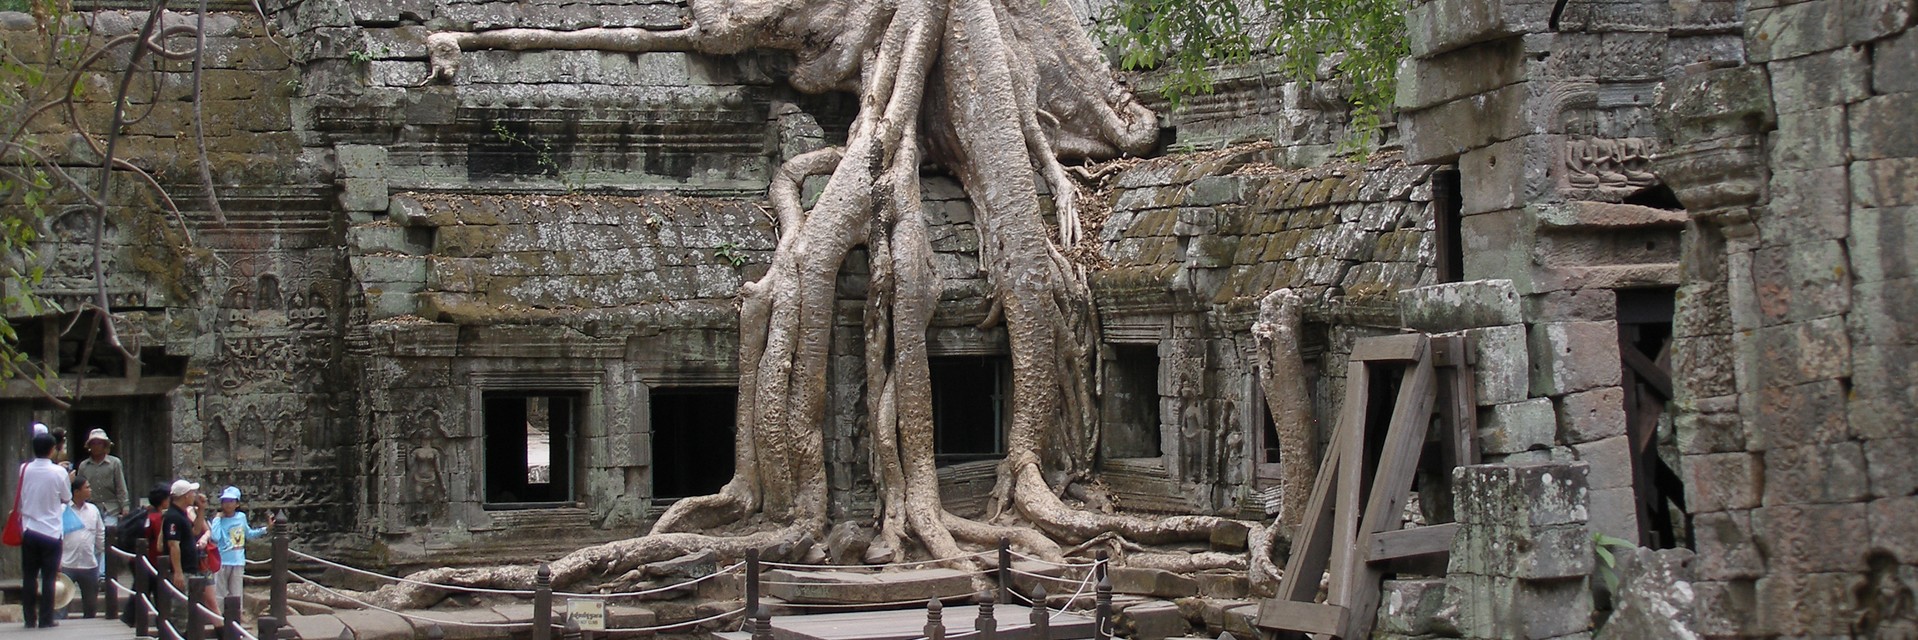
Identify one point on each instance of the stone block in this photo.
(1502, 374)
(1516, 427)
(1230, 536)
(1460, 305)
(1803, 281)
(363, 194)
(1523, 495)
(1442, 25)
(1803, 352)
(1554, 552)
(1808, 538)
(1815, 473)
(1595, 305)
(1152, 621)
(317, 626)
(1573, 356)
(1408, 606)
(1893, 466)
(1588, 416)
(1790, 31)
(1722, 481)
(1497, 607)
(1891, 62)
(1726, 548)
(1610, 461)
(1821, 80)
(1892, 521)
(376, 625)
(1702, 430)
(382, 238)
(1812, 139)
(1509, 174)
(1789, 415)
(1497, 246)
(361, 160)
(1440, 133)
(1890, 182)
(1615, 513)
(1704, 366)
(1724, 609)
(1881, 127)
(1816, 605)
(1157, 583)
(1884, 392)
(1424, 82)
(1654, 597)
(1883, 246)
(1215, 190)
(1226, 586)
(1868, 20)
(1718, 104)
(841, 588)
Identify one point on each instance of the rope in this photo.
(409, 616)
(872, 567)
(856, 605)
(1042, 576)
(643, 592)
(1038, 559)
(664, 627)
(448, 587)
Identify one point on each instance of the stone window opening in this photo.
(1130, 403)
(970, 407)
(530, 452)
(1448, 207)
(693, 431)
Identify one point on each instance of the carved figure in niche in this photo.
(425, 487)
(267, 294)
(286, 430)
(1608, 169)
(219, 443)
(250, 445)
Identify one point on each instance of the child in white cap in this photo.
(230, 533)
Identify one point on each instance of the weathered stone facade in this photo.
(1673, 232)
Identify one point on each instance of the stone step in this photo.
(840, 587)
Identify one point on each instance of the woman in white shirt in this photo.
(81, 548)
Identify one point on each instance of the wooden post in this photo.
(1041, 614)
(543, 603)
(196, 618)
(752, 582)
(268, 628)
(986, 625)
(571, 632)
(108, 574)
(162, 603)
(276, 602)
(762, 623)
(230, 618)
(142, 586)
(935, 620)
(1005, 569)
(1102, 604)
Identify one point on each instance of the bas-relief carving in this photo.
(289, 361)
(1607, 170)
(421, 463)
(250, 431)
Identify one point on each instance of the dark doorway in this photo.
(969, 407)
(693, 431)
(1644, 349)
(1130, 408)
(529, 447)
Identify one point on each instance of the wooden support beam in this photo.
(1302, 616)
(1398, 463)
(1345, 517)
(1403, 347)
(1648, 372)
(1408, 543)
(93, 388)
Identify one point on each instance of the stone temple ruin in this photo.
(494, 319)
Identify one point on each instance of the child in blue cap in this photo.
(230, 533)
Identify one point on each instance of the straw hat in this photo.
(63, 590)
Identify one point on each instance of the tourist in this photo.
(84, 545)
(108, 477)
(230, 533)
(181, 530)
(60, 456)
(44, 494)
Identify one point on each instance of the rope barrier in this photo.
(405, 580)
(675, 625)
(643, 592)
(1076, 565)
(1041, 576)
(872, 567)
(409, 616)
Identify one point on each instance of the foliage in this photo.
(1361, 41)
(542, 153)
(1602, 545)
(731, 254)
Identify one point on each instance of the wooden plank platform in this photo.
(909, 624)
(69, 629)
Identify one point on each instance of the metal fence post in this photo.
(1041, 614)
(282, 549)
(543, 603)
(987, 626)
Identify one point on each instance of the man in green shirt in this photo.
(106, 475)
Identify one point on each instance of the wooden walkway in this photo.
(909, 624)
(70, 629)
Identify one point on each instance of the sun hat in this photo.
(98, 434)
(182, 487)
